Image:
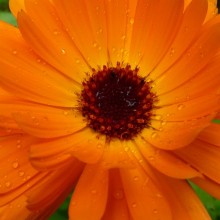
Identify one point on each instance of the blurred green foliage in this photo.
(211, 204)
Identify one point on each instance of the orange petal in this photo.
(202, 109)
(16, 6)
(90, 195)
(15, 167)
(43, 121)
(209, 186)
(20, 67)
(44, 194)
(85, 145)
(165, 161)
(198, 152)
(211, 134)
(192, 61)
(190, 26)
(218, 116)
(117, 23)
(116, 154)
(144, 198)
(183, 200)
(212, 8)
(85, 22)
(116, 206)
(16, 173)
(204, 83)
(15, 209)
(51, 40)
(172, 135)
(155, 26)
(190, 202)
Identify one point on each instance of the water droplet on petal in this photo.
(155, 211)
(65, 113)
(99, 146)
(15, 52)
(93, 191)
(56, 32)
(158, 117)
(21, 173)
(63, 51)
(180, 107)
(134, 205)
(136, 178)
(118, 194)
(154, 135)
(8, 184)
(131, 21)
(15, 165)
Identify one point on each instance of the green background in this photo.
(212, 205)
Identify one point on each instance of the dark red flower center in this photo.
(117, 102)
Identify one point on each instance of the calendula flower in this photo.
(114, 99)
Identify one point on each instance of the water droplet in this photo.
(99, 146)
(154, 135)
(123, 37)
(134, 205)
(95, 44)
(155, 211)
(56, 32)
(163, 123)
(8, 184)
(172, 51)
(15, 52)
(63, 51)
(93, 191)
(15, 165)
(126, 149)
(131, 21)
(151, 158)
(158, 195)
(118, 194)
(180, 107)
(158, 117)
(65, 112)
(136, 178)
(21, 173)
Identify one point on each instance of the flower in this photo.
(115, 98)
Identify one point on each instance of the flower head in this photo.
(114, 99)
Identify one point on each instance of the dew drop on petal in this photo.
(93, 191)
(134, 205)
(136, 178)
(15, 164)
(21, 173)
(55, 32)
(8, 184)
(118, 194)
(131, 21)
(15, 52)
(100, 146)
(180, 107)
(155, 211)
(158, 117)
(63, 51)
(154, 135)
(65, 113)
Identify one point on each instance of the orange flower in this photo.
(114, 98)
